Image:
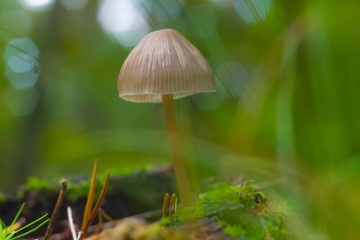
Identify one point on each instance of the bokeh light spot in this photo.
(21, 80)
(37, 5)
(21, 45)
(21, 102)
(20, 63)
(123, 20)
(253, 11)
(22, 69)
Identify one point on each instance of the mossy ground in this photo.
(240, 210)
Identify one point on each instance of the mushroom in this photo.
(164, 66)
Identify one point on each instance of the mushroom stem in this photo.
(178, 164)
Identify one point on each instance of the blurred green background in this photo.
(285, 114)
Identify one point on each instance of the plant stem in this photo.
(165, 203)
(178, 164)
(71, 223)
(56, 210)
(90, 199)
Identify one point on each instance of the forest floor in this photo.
(224, 209)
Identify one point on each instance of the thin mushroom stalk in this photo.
(182, 178)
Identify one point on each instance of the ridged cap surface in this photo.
(164, 62)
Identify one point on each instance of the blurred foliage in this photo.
(286, 112)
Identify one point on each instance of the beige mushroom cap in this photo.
(164, 62)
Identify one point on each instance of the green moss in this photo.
(232, 230)
(37, 184)
(2, 198)
(123, 171)
(274, 223)
(74, 190)
(191, 213)
(241, 210)
(81, 190)
(76, 187)
(77, 190)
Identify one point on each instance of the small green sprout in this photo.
(7, 233)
